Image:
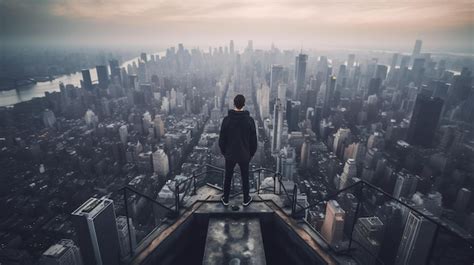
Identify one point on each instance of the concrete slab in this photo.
(234, 242)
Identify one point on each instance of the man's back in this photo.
(238, 136)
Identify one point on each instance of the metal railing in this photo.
(358, 201)
(392, 240)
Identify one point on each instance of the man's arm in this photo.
(253, 138)
(222, 136)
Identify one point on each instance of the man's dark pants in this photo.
(229, 172)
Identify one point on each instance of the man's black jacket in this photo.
(238, 136)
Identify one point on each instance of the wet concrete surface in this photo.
(234, 241)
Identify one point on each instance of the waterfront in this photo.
(26, 93)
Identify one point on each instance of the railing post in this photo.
(430, 253)
(293, 203)
(176, 196)
(128, 220)
(259, 181)
(194, 184)
(274, 183)
(279, 177)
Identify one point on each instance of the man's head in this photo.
(239, 101)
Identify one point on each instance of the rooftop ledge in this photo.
(360, 224)
(202, 215)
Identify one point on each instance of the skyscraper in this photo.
(417, 49)
(416, 240)
(65, 252)
(405, 186)
(115, 69)
(97, 232)
(293, 114)
(277, 126)
(300, 72)
(333, 225)
(231, 46)
(424, 120)
(102, 76)
(86, 79)
(276, 76)
(124, 238)
(367, 237)
(349, 172)
(143, 56)
(161, 164)
(329, 95)
(304, 158)
(123, 133)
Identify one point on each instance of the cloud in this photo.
(300, 20)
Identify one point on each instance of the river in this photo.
(26, 93)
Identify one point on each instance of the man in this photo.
(238, 144)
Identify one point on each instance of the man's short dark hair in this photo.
(239, 101)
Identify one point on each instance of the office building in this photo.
(102, 76)
(161, 163)
(86, 79)
(277, 126)
(416, 240)
(349, 172)
(97, 233)
(333, 225)
(304, 157)
(424, 120)
(405, 185)
(300, 72)
(276, 77)
(128, 242)
(367, 238)
(417, 48)
(65, 252)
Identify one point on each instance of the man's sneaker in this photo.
(225, 203)
(247, 203)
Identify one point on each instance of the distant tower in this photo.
(368, 233)
(417, 49)
(293, 114)
(333, 225)
(416, 240)
(86, 79)
(102, 76)
(424, 120)
(277, 126)
(124, 238)
(49, 119)
(276, 77)
(97, 233)
(159, 125)
(161, 164)
(115, 69)
(349, 172)
(123, 133)
(231, 47)
(300, 72)
(143, 56)
(405, 186)
(250, 46)
(65, 252)
(304, 158)
(329, 95)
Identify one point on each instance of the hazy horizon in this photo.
(373, 24)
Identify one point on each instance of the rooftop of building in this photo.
(276, 228)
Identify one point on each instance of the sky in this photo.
(443, 25)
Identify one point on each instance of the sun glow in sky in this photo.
(379, 24)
